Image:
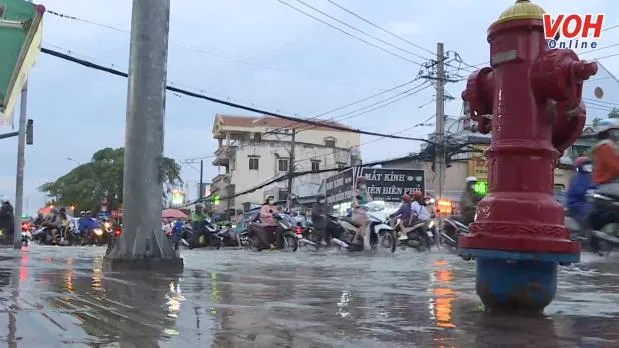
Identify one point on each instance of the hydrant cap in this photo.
(522, 9)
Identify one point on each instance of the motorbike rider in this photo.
(7, 220)
(319, 219)
(198, 220)
(361, 196)
(269, 224)
(404, 211)
(418, 207)
(87, 224)
(468, 201)
(606, 158)
(580, 183)
(54, 222)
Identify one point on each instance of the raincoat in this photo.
(575, 200)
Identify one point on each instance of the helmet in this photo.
(406, 198)
(580, 161)
(471, 179)
(270, 197)
(360, 179)
(417, 195)
(607, 124)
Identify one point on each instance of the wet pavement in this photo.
(61, 296)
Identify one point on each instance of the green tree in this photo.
(85, 185)
(614, 113)
(596, 122)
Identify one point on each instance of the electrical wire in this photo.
(216, 54)
(361, 31)
(224, 102)
(349, 34)
(380, 28)
(381, 104)
(421, 124)
(350, 104)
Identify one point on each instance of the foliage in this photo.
(614, 113)
(596, 121)
(85, 185)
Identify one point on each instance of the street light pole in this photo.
(21, 163)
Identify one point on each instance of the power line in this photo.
(353, 103)
(361, 31)
(381, 104)
(380, 28)
(349, 34)
(223, 102)
(422, 124)
(216, 54)
(331, 111)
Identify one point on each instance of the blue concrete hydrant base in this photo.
(516, 285)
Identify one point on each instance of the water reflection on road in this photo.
(62, 296)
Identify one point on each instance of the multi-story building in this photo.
(255, 150)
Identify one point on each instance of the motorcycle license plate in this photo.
(430, 234)
(299, 236)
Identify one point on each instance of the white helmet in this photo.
(605, 125)
(471, 179)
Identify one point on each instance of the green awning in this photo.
(20, 43)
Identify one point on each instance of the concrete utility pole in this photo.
(142, 241)
(440, 118)
(440, 152)
(201, 180)
(21, 163)
(291, 168)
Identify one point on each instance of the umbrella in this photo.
(45, 210)
(173, 214)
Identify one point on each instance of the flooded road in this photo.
(55, 297)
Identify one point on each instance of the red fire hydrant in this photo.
(530, 99)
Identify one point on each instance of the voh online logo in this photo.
(573, 31)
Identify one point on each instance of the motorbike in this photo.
(43, 235)
(227, 236)
(378, 232)
(26, 233)
(451, 231)
(419, 236)
(290, 239)
(98, 237)
(207, 237)
(604, 220)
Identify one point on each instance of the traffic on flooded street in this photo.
(309, 174)
(55, 296)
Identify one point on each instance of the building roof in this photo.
(270, 121)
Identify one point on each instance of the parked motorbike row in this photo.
(601, 236)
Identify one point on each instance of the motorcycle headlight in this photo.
(431, 224)
(106, 225)
(98, 231)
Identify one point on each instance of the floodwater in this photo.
(55, 297)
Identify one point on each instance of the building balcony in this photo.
(222, 180)
(224, 154)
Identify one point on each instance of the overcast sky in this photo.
(258, 52)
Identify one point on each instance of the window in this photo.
(282, 164)
(253, 163)
(257, 137)
(315, 166)
(283, 194)
(341, 165)
(330, 143)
